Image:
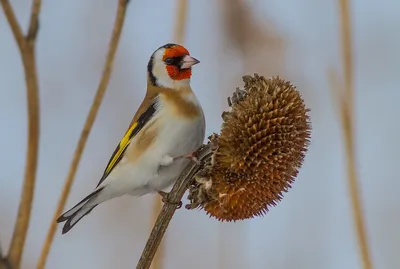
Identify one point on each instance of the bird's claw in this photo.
(165, 199)
(191, 156)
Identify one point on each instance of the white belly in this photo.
(177, 138)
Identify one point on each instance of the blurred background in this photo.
(312, 227)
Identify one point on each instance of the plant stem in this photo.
(118, 25)
(180, 22)
(24, 211)
(14, 25)
(347, 115)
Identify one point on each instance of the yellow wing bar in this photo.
(120, 148)
(126, 140)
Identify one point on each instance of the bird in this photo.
(162, 138)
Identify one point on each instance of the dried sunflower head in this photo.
(257, 155)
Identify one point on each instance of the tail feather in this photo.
(75, 214)
(75, 218)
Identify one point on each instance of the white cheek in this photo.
(160, 71)
(161, 74)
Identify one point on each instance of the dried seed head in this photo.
(256, 157)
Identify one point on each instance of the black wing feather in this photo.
(123, 145)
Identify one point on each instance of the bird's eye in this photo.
(169, 60)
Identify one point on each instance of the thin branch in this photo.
(347, 117)
(27, 50)
(180, 22)
(118, 25)
(179, 34)
(34, 20)
(168, 210)
(24, 211)
(13, 22)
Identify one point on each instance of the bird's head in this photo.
(170, 66)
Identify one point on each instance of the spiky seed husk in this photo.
(256, 157)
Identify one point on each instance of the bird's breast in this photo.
(178, 135)
(182, 104)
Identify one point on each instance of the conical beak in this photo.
(188, 61)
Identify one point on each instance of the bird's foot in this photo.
(191, 156)
(165, 199)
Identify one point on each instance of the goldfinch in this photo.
(168, 126)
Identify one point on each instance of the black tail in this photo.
(75, 214)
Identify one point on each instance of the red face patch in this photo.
(173, 71)
(178, 74)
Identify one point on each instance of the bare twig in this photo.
(179, 34)
(26, 45)
(118, 25)
(24, 211)
(347, 118)
(168, 210)
(34, 21)
(180, 22)
(14, 25)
